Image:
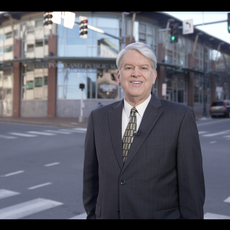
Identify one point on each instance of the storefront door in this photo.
(176, 90)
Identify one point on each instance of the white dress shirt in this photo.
(126, 114)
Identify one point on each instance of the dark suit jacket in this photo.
(163, 175)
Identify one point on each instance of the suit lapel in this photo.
(115, 119)
(150, 117)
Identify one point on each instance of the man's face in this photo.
(136, 77)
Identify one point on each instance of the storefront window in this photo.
(107, 85)
(199, 93)
(99, 82)
(176, 88)
(175, 52)
(34, 81)
(96, 44)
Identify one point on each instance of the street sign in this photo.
(188, 26)
(164, 89)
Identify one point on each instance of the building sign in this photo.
(164, 89)
(75, 65)
(219, 89)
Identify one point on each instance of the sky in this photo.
(218, 30)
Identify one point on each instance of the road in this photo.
(41, 170)
(215, 143)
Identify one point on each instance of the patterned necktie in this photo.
(129, 133)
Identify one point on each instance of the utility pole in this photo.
(204, 86)
(123, 29)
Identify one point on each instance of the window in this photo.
(34, 39)
(34, 81)
(99, 82)
(96, 44)
(8, 35)
(8, 49)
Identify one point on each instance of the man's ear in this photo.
(118, 77)
(154, 76)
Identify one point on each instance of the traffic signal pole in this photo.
(101, 31)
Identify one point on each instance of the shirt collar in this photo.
(140, 108)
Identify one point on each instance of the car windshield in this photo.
(217, 103)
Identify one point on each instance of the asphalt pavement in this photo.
(41, 163)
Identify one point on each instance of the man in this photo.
(154, 169)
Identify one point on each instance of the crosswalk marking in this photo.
(80, 216)
(7, 193)
(76, 130)
(40, 185)
(41, 133)
(57, 131)
(27, 208)
(7, 137)
(227, 200)
(216, 134)
(52, 164)
(215, 216)
(202, 132)
(15, 135)
(13, 173)
(23, 135)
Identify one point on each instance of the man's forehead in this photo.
(130, 58)
(127, 64)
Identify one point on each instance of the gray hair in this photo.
(143, 49)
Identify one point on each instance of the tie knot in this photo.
(133, 111)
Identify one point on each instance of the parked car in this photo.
(220, 108)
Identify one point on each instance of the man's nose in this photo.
(136, 72)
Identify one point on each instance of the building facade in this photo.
(41, 68)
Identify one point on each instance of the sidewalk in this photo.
(56, 121)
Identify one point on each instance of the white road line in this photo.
(57, 131)
(227, 200)
(7, 193)
(228, 136)
(27, 208)
(216, 134)
(41, 133)
(74, 130)
(7, 137)
(215, 216)
(212, 122)
(212, 142)
(202, 132)
(80, 216)
(80, 129)
(52, 164)
(39, 186)
(23, 135)
(13, 173)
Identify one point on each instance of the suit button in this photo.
(123, 182)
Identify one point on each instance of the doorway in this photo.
(176, 88)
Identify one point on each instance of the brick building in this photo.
(41, 68)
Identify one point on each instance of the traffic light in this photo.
(83, 27)
(173, 34)
(228, 23)
(48, 18)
